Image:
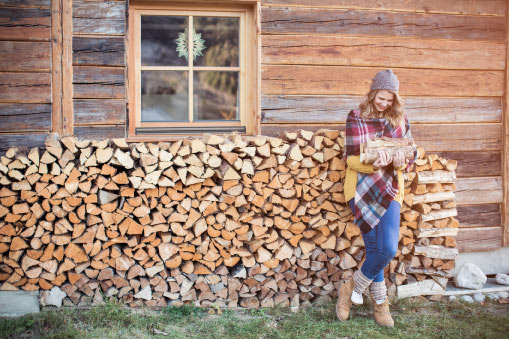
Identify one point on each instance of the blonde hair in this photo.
(394, 114)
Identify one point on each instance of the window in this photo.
(192, 69)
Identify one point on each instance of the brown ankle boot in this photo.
(344, 298)
(382, 314)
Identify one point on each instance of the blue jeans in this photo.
(381, 242)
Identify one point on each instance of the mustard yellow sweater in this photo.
(354, 165)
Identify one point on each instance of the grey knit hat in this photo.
(385, 79)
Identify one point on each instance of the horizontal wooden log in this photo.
(438, 176)
(473, 191)
(458, 137)
(437, 232)
(99, 111)
(26, 3)
(20, 117)
(25, 56)
(25, 24)
(330, 80)
(98, 17)
(100, 132)
(425, 287)
(479, 239)
(493, 7)
(98, 82)
(28, 140)
(98, 51)
(476, 164)
(276, 20)
(433, 197)
(343, 50)
(479, 215)
(14, 87)
(326, 109)
(436, 252)
(440, 214)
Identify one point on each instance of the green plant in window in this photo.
(183, 44)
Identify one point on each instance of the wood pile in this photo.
(427, 250)
(238, 221)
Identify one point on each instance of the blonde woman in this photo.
(374, 193)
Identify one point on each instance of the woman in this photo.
(375, 193)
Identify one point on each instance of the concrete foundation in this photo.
(490, 262)
(17, 303)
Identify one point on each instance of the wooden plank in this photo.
(26, 3)
(25, 24)
(56, 67)
(98, 82)
(456, 137)
(293, 20)
(479, 215)
(100, 132)
(474, 191)
(331, 80)
(437, 232)
(433, 197)
(99, 17)
(424, 287)
(98, 51)
(479, 239)
(435, 251)
(22, 117)
(490, 7)
(430, 177)
(25, 56)
(325, 109)
(440, 214)
(67, 69)
(99, 112)
(381, 52)
(505, 152)
(27, 139)
(476, 164)
(14, 87)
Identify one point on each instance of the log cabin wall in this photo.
(318, 58)
(99, 68)
(25, 68)
(317, 62)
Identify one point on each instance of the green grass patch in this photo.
(413, 319)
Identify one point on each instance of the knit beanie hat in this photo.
(385, 79)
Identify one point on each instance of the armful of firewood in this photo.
(369, 150)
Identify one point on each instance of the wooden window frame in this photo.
(249, 65)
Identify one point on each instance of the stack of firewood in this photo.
(428, 227)
(248, 221)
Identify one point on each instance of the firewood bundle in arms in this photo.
(370, 149)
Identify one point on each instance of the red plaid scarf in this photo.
(374, 192)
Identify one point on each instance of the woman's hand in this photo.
(384, 159)
(399, 159)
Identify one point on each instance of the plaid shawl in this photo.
(374, 192)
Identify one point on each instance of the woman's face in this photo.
(383, 100)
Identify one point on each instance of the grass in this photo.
(414, 319)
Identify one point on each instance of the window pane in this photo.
(216, 95)
(221, 41)
(159, 36)
(164, 96)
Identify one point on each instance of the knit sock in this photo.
(378, 291)
(361, 282)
